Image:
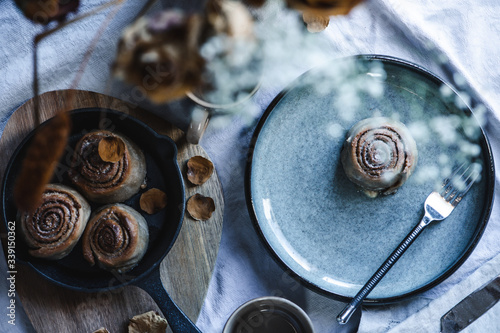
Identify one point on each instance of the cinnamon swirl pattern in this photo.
(116, 238)
(379, 155)
(57, 224)
(107, 182)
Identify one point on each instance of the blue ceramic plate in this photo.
(318, 224)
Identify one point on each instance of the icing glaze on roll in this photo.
(57, 224)
(107, 182)
(379, 155)
(116, 238)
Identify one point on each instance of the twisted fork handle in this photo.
(350, 308)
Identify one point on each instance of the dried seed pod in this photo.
(153, 200)
(41, 159)
(199, 170)
(315, 23)
(150, 322)
(200, 207)
(160, 55)
(111, 149)
(45, 11)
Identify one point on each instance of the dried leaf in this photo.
(153, 200)
(41, 159)
(150, 322)
(45, 11)
(111, 149)
(200, 207)
(315, 23)
(199, 170)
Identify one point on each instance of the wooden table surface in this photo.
(185, 271)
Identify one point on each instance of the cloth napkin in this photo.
(460, 30)
(464, 30)
(428, 319)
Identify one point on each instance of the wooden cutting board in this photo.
(185, 271)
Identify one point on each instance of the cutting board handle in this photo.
(178, 321)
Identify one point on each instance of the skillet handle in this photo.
(177, 320)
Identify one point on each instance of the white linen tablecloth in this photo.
(466, 31)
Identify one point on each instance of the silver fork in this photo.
(437, 207)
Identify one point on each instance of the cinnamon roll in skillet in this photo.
(116, 238)
(57, 224)
(379, 155)
(107, 182)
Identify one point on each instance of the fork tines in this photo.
(459, 182)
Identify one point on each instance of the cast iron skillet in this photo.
(163, 172)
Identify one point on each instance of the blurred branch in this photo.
(38, 38)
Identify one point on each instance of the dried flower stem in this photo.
(38, 38)
(94, 41)
(49, 142)
(78, 18)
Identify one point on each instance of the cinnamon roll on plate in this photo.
(57, 224)
(107, 182)
(116, 238)
(379, 155)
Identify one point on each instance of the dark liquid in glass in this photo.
(268, 320)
